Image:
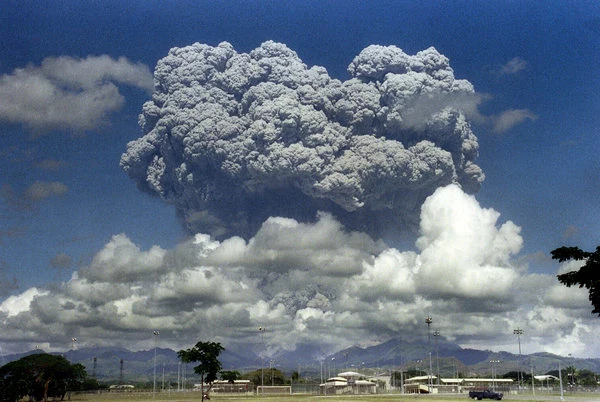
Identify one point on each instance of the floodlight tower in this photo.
(333, 363)
(261, 331)
(518, 332)
(156, 334)
(436, 334)
(492, 363)
(428, 321)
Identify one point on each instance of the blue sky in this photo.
(533, 67)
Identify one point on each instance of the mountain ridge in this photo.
(115, 364)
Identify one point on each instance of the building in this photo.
(121, 388)
(426, 384)
(420, 385)
(348, 382)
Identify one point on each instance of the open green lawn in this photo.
(195, 396)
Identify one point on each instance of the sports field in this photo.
(195, 396)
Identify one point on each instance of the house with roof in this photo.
(348, 382)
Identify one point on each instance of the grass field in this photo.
(195, 396)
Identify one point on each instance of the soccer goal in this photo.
(274, 390)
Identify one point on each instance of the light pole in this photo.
(333, 364)
(321, 371)
(156, 334)
(179, 377)
(121, 361)
(436, 334)
(572, 373)
(562, 392)
(428, 321)
(492, 362)
(261, 331)
(518, 332)
(455, 370)
(73, 343)
(532, 379)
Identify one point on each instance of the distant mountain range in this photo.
(113, 365)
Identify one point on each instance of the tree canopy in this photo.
(587, 276)
(207, 354)
(39, 376)
(230, 376)
(269, 375)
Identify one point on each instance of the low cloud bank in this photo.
(315, 283)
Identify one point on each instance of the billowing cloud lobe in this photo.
(233, 138)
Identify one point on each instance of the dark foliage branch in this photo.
(587, 276)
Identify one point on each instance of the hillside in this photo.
(139, 366)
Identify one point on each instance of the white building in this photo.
(348, 382)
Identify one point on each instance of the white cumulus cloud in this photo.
(312, 283)
(69, 93)
(14, 305)
(463, 252)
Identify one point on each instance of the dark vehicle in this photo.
(485, 394)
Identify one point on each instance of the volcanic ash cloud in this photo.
(232, 138)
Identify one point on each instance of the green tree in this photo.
(271, 376)
(295, 376)
(274, 376)
(570, 375)
(253, 376)
(91, 384)
(586, 378)
(207, 354)
(414, 372)
(39, 376)
(587, 276)
(516, 375)
(230, 376)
